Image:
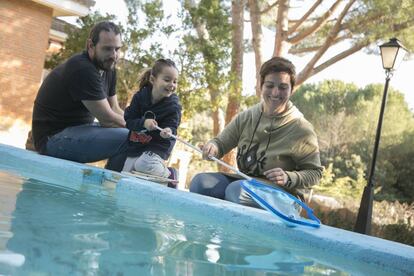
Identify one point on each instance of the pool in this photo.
(63, 218)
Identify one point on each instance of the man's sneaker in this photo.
(173, 176)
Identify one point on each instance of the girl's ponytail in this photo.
(144, 79)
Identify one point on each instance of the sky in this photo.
(359, 68)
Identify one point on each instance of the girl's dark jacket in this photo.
(167, 113)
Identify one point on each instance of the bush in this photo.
(400, 232)
(342, 187)
(391, 220)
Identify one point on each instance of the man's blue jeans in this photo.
(90, 143)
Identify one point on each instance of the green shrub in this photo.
(391, 220)
(400, 232)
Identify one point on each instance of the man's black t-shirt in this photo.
(58, 104)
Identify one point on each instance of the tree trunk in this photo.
(282, 21)
(256, 24)
(218, 118)
(237, 8)
(216, 111)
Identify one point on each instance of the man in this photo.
(73, 95)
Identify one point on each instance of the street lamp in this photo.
(392, 53)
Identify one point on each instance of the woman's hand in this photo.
(150, 124)
(277, 176)
(209, 150)
(166, 133)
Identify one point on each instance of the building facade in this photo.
(25, 38)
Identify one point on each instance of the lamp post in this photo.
(392, 54)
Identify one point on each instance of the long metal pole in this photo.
(245, 176)
(364, 219)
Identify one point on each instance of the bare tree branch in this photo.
(355, 48)
(303, 50)
(339, 57)
(315, 27)
(269, 7)
(329, 40)
(304, 17)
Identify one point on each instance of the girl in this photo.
(155, 104)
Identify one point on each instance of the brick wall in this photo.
(24, 37)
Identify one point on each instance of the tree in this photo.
(211, 61)
(210, 19)
(146, 38)
(345, 117)
(256, 26)
(236, 70)
(76, 39)
(351, 24)
(399, 175)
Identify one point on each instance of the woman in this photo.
(275, 143)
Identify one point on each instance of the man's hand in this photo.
(113, 103)
(102, 111)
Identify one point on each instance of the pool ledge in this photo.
(390, 256)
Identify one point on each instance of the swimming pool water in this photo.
(58, 231)
(63, 218)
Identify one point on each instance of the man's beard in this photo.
(105, 65)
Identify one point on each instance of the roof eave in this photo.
(65, 7)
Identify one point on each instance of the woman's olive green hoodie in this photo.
(263, 142)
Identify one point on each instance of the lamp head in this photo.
(392, 53)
